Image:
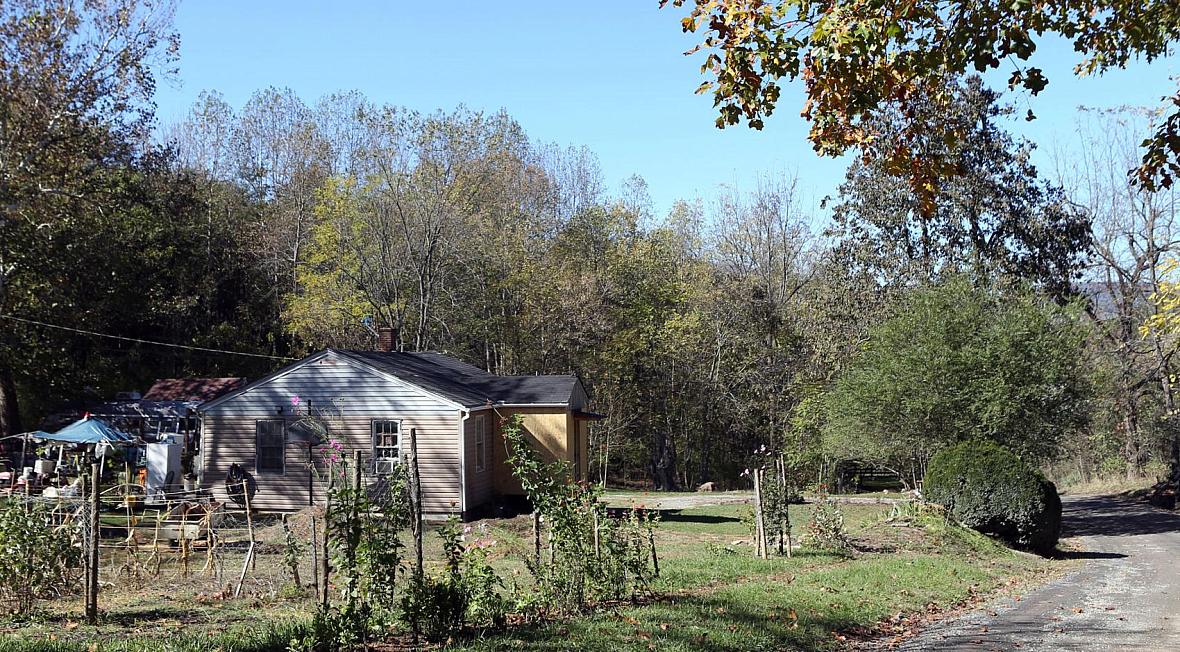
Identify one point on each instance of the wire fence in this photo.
(185, 545)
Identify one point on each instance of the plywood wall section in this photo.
(348, 398)
(548, 429)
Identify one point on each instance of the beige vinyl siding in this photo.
(480, 484)
(348, 398)
(231, 439)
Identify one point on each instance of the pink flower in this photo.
(294, 400)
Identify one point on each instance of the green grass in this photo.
(799, 607)
(712, 593)
(272, 637)
(720, 597)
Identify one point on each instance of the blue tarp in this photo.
(88, 430)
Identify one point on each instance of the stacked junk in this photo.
(144, 447)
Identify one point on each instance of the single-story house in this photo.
(368, 401)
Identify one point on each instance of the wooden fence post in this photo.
(536, 540)
(92, 551)
(84, 515)
(325, 565)
(759, 522)
(786, 527)
(416, 501)
(354, 528)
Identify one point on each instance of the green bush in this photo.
(987, 488)
(38, 559)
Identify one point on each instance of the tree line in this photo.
(1007, 304)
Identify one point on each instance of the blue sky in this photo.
(610, 75)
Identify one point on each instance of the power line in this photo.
(139, 341)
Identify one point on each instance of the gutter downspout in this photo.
(200, 456)
(464, 415)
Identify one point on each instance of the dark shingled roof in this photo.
(465, 384)
(191, 389)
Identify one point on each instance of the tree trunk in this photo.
(1131, 448)
(663, 462)
(9, 413)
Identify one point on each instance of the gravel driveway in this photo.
(1125, 596)
(672, 500)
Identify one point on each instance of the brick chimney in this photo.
(385, 339)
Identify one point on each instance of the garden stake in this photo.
(315, 556)
(416, 501)
(249, 518)
(594, 516)
(245, 567)
(287, 537)
(208, 525)
(154, 559)
(184, 542)
(536, 541)
(651, 540)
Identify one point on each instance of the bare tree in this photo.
(1135, 230)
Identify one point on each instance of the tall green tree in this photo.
(76, 81)
(958, 362)
(993, 218)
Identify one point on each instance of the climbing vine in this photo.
(586, 555)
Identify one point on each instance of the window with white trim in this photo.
(386, 445)
(481, 445)
(270, 446)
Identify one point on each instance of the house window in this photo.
(386, 445)
(270, 446)
(481, 445)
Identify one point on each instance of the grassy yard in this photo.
(712, 594)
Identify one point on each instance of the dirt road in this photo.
(1125, 596)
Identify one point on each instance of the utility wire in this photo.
(139, 341)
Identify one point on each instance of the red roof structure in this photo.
(191, 389)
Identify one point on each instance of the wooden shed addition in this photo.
(369, 401)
